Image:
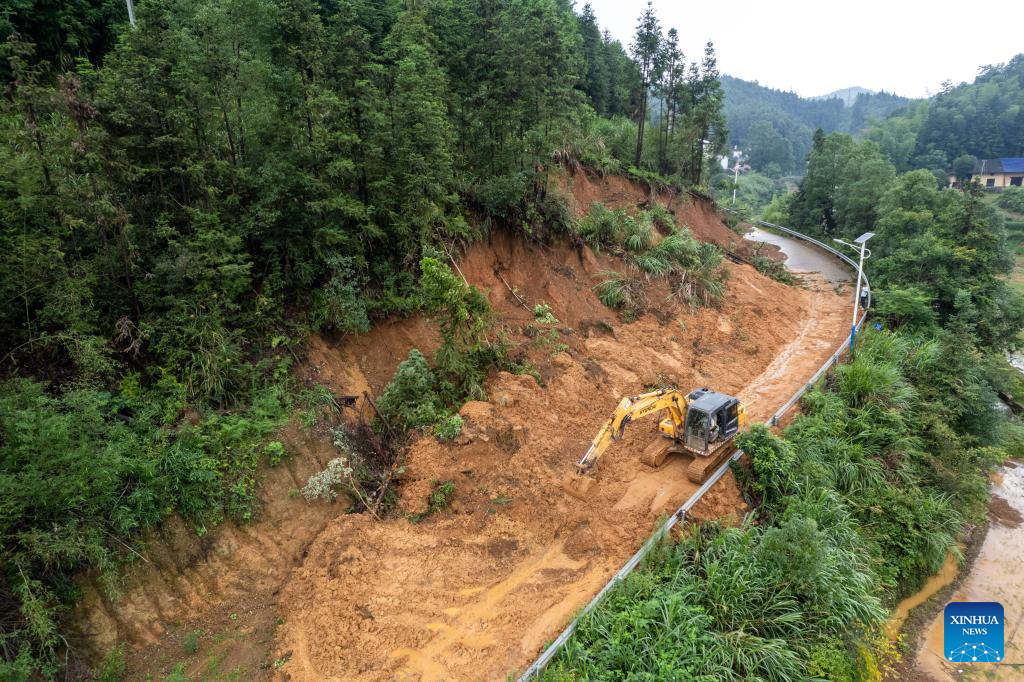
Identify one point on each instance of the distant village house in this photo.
(998, 174)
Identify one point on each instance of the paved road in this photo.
(802, 257)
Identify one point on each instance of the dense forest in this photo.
(774, 128)
(963, 123)
(185, 200)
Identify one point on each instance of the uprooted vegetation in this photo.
(652, 246)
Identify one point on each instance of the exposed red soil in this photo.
(476, 591)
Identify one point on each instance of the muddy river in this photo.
(997, 575)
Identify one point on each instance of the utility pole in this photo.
(864, 253)
(131, 12)
(735, 182)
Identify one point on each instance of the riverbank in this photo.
(993, 555)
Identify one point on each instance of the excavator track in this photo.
(702, 467)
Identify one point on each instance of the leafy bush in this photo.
(111, 668)
(410, 399)
(1012, 199)
(339, 305)
(602, 227)
(662, 218)
(191, 641)
(441, 496)
(910, 307)
(542, 314)
(440, 499)
(638, 233)
(448, 428)
(613, 291)
(773, 459)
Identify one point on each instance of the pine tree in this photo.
(644, 49)
(596, 73)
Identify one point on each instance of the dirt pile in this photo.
(474, 592)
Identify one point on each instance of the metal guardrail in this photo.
(774, 421)
(552, 650)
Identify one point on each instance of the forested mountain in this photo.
(184, 201)
(979, 120)
(848, 95)
(775, 127)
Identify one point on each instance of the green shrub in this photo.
(637, 233)
(113, 666)
(440, 499)
(1012, 199)
(191, 641)
(339, 305)
(275, 452)
(662, 218)
(613, 291)
(773, 460)
(448, 428)
(773, 268)
(603, 227)
(910, 307)
(441, 496)
(542, 314)
(410, 399)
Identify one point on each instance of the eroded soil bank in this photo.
(309, 592)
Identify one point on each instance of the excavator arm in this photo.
(634, 407)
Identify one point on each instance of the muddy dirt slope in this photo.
(312, 593)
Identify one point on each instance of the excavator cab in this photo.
(711, 418)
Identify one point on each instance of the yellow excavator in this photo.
(701, 424)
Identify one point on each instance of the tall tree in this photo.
(420, 188)
(595, 59)
(644, 49)
(706, 134)
(670, 89)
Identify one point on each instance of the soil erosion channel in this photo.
(310, 593)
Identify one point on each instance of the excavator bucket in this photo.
(578, 485)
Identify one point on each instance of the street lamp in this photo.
(864, 253)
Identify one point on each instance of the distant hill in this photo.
(775, 127)
(979, 120)
(848, 95)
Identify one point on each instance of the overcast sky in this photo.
(815, 47)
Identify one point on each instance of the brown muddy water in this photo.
(997, 575)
